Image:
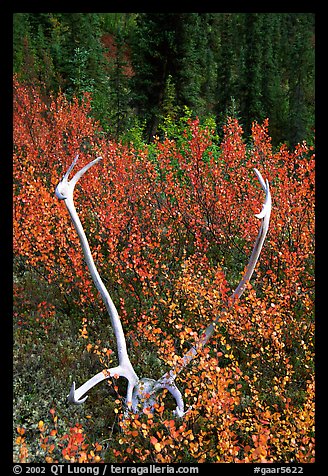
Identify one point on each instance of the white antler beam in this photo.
(64, 191)
(264, 216)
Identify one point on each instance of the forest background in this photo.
(145, 69)
(182, 105)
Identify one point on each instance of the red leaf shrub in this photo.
(171, 227)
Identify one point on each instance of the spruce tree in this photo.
(153, 56)
(301, 76)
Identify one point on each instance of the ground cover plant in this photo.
(171, 226)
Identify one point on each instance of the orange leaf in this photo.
(153, 440)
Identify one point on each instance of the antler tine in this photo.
(79, 174)
(264, 215)
(65, 187)
(259, 176)
(71, 167)
(75, 395)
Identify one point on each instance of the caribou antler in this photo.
(141, 393)
(64, 191)
(264, 215)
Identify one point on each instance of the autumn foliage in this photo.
(171, 226)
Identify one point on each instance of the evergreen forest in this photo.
(174, 111)
(144, 69)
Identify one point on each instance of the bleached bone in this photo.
(264, 216)
(64, 191)
(141, 393)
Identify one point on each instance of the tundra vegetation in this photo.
(170, 222)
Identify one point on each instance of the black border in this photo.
(6, 206)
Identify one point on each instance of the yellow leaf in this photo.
(158, 447)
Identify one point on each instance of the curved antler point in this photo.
(71, 397)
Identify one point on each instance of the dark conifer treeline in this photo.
(144, 67)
